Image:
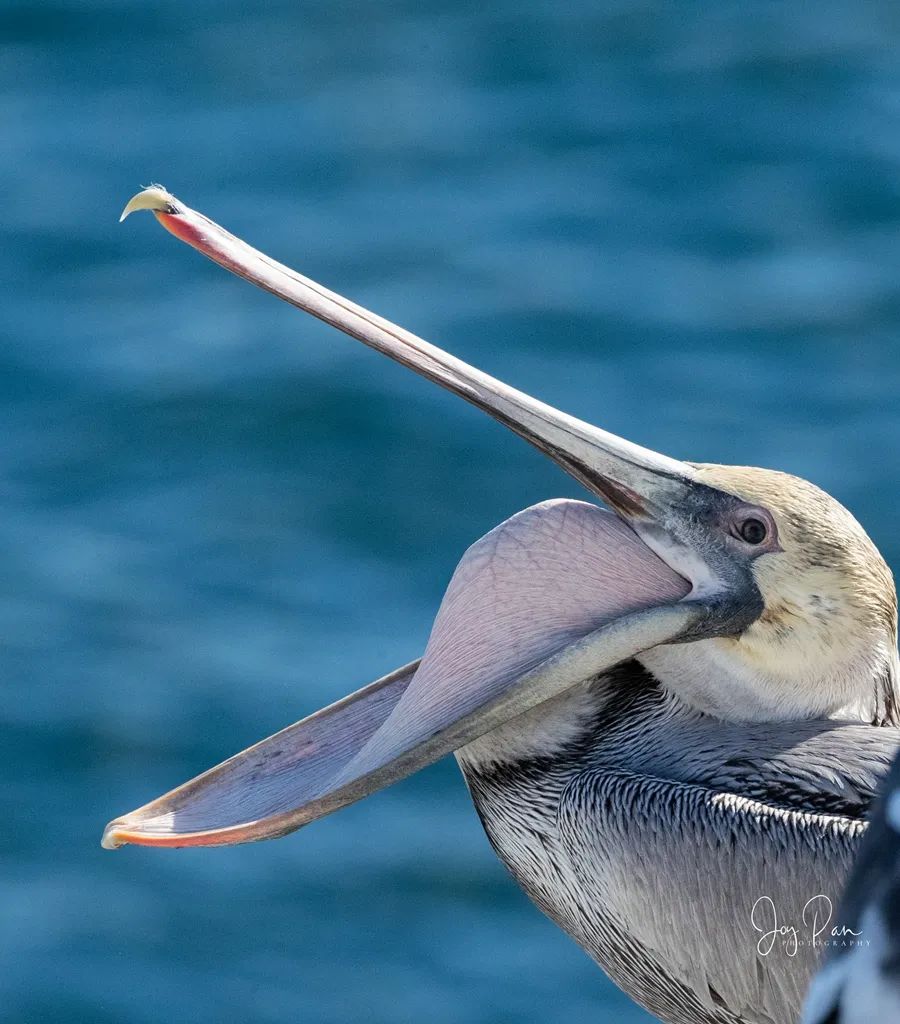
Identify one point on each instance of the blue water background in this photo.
(678, 220)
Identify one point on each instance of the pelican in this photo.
(860, 981)
(672, 713)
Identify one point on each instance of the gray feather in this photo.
(860, 981)
(651, 839)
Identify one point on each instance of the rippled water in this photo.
(681, 221)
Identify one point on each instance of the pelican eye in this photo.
(753, 531)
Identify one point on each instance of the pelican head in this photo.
(825, 640)
(748, 594)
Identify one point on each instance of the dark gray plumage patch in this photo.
(645, 758)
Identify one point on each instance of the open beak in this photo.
(549, 598)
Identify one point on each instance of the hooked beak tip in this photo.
(154, 198)
(113, 837)
(117, 834)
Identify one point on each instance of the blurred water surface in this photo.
(680, 221)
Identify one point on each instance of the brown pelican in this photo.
(860, 981)
(671, 716)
